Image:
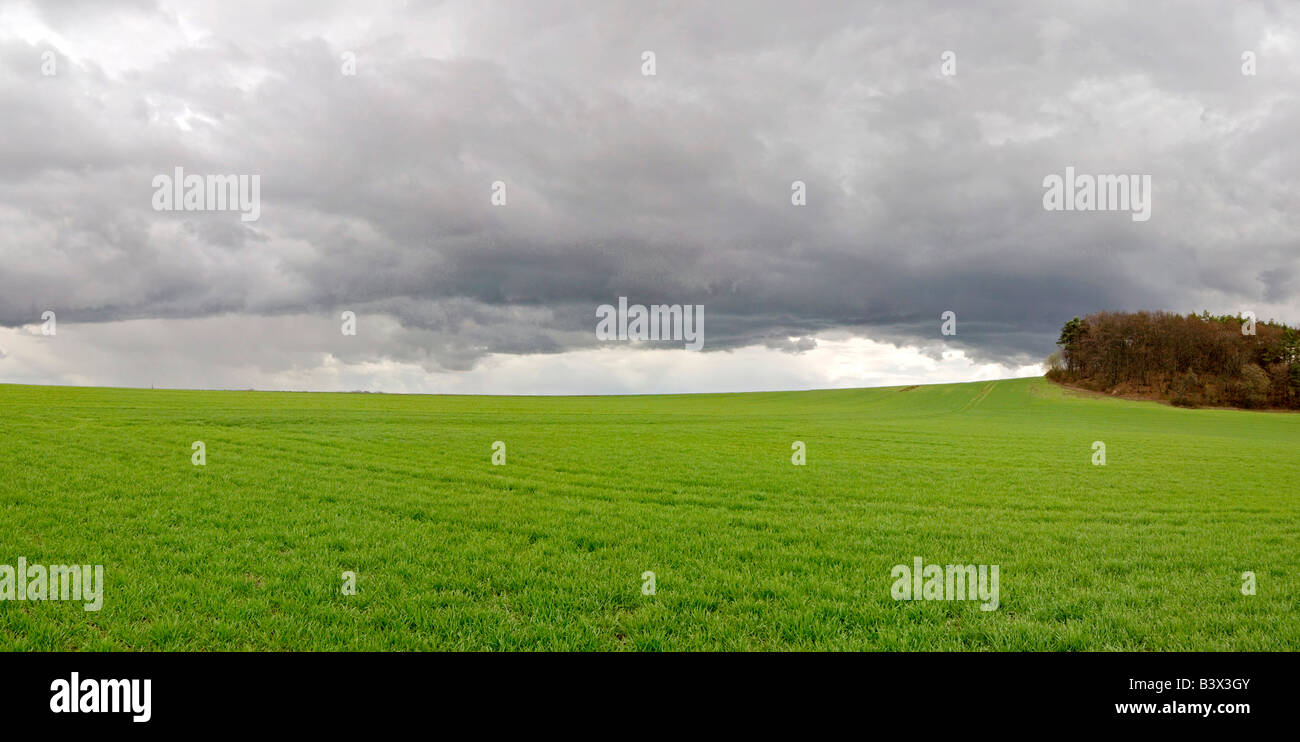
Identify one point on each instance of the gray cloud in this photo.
(924, 191)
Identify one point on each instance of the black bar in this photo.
(975, 691)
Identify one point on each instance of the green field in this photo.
(749, 551)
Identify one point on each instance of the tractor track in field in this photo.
(979, 397)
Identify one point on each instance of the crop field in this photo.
(550, 549)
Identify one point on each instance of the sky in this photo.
(472, 180)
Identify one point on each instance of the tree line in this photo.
(1191, 360)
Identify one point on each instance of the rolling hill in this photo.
(549, 550)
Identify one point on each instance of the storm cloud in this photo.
(923, 189)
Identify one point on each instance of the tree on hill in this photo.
(1189, 359)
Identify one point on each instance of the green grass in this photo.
(750, 552)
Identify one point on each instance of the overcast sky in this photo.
(924, 190)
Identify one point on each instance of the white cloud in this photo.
(282, 354)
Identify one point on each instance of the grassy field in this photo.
(749, 551)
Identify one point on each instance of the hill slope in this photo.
(748, 550)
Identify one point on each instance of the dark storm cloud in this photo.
(924, 191)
